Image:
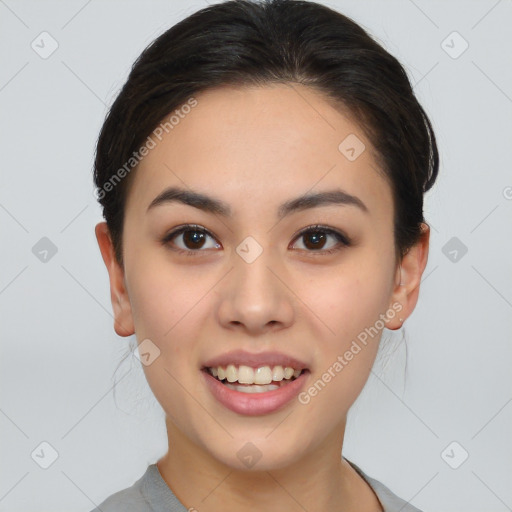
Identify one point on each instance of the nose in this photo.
(254, 297)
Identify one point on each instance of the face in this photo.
(244, 277)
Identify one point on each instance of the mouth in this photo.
(252, 391)
(262, 379)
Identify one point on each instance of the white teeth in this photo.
(253, 389)
(246, 375)
(263, 375)
(278, 373)
(288, 372)
(231, 373)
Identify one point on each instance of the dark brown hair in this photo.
(242, 42)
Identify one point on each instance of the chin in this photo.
(256, 453)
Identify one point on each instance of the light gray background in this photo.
(59, 349)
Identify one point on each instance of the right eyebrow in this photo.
(195, 199)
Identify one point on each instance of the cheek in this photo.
(348, 298)
(348, 303)
(167, 309)
(163, 298)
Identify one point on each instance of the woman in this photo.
(262, 175)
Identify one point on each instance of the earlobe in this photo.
(408, 279)
(123, 319)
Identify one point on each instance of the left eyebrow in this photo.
(213, 205)
(306, 201)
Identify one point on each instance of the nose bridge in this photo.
(253, 295)
(253, 281)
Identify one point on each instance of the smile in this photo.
(254, 380)
(254, 391)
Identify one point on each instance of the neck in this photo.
(320, 480)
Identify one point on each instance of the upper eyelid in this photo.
(318, 227)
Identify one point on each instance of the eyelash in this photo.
(343, 240)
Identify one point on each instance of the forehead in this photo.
(268, 143)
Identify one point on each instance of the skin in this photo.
(232, 146)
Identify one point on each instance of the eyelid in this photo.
(178, 230)
(342, 239)
(326, 229)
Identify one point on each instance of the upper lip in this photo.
(255, 360)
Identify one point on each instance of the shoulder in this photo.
(390, 501)
(130, 499)
(150, 493)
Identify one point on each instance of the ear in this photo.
(408, 278)
(123, 320)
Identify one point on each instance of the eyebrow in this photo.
(212, 205)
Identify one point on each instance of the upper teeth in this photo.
(247, 375)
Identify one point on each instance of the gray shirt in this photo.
(150, 493)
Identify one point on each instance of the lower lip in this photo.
(254, 404)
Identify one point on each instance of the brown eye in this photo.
(321, 239)
(190, 239)
(314, 239)
(193, 239)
